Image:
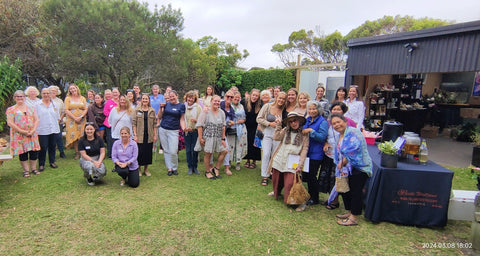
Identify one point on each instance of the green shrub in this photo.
(10, 81)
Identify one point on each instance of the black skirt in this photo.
(253, 153)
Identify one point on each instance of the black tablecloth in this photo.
(411, 194)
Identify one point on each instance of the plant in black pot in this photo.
(476, 149)
(389, 157)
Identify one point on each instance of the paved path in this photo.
(448, 152)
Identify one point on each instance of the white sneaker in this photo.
(237, 167)
(90, 181)
(301, 208)
(160, 151)
(122, 182)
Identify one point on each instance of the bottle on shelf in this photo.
(423, 154)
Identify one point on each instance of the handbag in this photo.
(259, 134)
(298, 194)
(231, 131)
(257, 142)
(341, 184)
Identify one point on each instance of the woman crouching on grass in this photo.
(124, 155)
(211, 137)
(292, 142)
(92, 152)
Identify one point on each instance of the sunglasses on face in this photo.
(229, 96)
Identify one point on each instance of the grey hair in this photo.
(265, 92)
(32, 88)
(317, 105)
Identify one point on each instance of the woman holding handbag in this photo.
(120, 116)
(351, 150)
(252, 106)
(292, 142)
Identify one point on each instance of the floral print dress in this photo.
(74, 130)
(19, 143)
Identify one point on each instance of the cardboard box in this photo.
(462, 206)
(474, 100)
(469, 112)
(429, 131)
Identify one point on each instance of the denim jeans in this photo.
(47, 143)
(192, 155)
(268, 147)
(59, 141)
(169, 140)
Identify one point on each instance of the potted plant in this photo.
(476, 149)
(389, 154)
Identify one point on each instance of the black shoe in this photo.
(53, 165)
(311, 202)
(41, 169)
(62, 155)
(175, 172)
(169, 173)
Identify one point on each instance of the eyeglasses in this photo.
(129, 90)
(19, 96)
(293, 121)
(89, 123)
(229, 96)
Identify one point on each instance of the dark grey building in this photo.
(415, 64)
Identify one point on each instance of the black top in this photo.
(91, 147)
(251, 121)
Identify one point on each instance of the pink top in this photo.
(109, 105)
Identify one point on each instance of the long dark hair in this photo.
(95, 136)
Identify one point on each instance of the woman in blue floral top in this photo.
(351, 150)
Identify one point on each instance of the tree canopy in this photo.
(318, 48)
(110, 42)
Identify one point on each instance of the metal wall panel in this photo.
(454, 52)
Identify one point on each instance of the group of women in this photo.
(266, 126)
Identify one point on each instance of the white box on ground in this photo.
(462, 205)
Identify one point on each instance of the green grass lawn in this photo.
(57, 213)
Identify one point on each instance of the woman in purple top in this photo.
(124, 155)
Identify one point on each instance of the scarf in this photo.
(298, 137)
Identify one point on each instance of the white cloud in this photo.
(257, 25)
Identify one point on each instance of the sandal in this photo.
(332, 206)
(347, 222)
(26, 174)
(264, 182)
(253, 165)
(210, 172)
(343, 216)
(247, 165)
(35, 172)
(227, 172)
(216, 172)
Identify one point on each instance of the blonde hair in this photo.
(78, 90)
(127, 105)
(302, 94)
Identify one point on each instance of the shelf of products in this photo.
(383, 101)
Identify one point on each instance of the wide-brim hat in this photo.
(294, 115)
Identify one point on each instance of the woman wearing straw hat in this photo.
(292, 142)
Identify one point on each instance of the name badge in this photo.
(87, 147)
(120, 150)
(139, 113)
